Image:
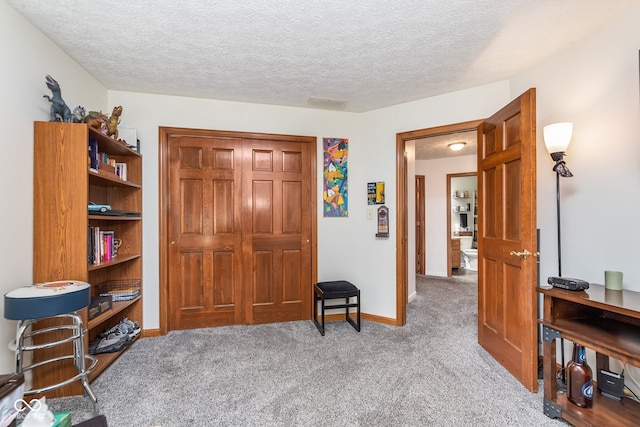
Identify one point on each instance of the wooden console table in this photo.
(605, 321)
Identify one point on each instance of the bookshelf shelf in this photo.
(118, 260)
(115, 218)
(104, 360)
(63, 186)
(117, 307)
(110, 179)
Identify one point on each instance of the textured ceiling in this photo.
(437, 147)
(370, 53)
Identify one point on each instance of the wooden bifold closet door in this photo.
(239, 229)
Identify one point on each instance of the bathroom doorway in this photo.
(462, 223)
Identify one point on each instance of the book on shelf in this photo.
(94, 157)
(101, 247)
(100, 162)
(122, 294)
(121, 170)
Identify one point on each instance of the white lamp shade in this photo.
(557, 136)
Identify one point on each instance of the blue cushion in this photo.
(46, 299)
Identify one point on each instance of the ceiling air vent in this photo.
(327, 103)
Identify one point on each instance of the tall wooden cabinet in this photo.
(64, 184)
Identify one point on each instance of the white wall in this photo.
(435, 172)
(593, 84)
(27, 57)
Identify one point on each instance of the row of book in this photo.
(98, 160)
(101, 246)
(121, 170)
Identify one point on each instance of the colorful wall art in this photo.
(335, 187)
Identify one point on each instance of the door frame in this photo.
(421, 218)
(165, 133)
(402, 222)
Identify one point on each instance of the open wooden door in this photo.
(507, 277)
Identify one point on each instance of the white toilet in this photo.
(469, 255)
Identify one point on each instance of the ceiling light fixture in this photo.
(456, 146)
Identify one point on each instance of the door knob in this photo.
(525, 253)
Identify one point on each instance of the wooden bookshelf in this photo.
(63, 186)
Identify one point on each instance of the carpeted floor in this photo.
(431, 372)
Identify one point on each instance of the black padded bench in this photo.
(331, 290)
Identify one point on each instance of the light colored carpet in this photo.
(432, 372)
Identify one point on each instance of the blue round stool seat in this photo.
(47, 299)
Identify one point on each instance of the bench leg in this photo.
(315, 313)
(356, 324)
(358, 296)
(322, 307)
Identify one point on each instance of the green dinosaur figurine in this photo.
(114, 121)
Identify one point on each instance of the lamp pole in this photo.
(564, 374)
(558, 221)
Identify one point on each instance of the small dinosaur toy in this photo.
(78, 114)
(114, 121)
(60, 112)
(96, 120)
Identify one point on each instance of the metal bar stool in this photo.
(331, 290)
(31, 304)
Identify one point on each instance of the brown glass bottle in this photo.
(579, 386)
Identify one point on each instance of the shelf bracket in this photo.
(549, 334)
(552, 410)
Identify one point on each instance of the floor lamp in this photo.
(556, 138)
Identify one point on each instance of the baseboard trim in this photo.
(149, 333)
(413, 295)
(363, 316)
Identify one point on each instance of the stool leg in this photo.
(78, 351)
(20, 330)
(76, 339)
